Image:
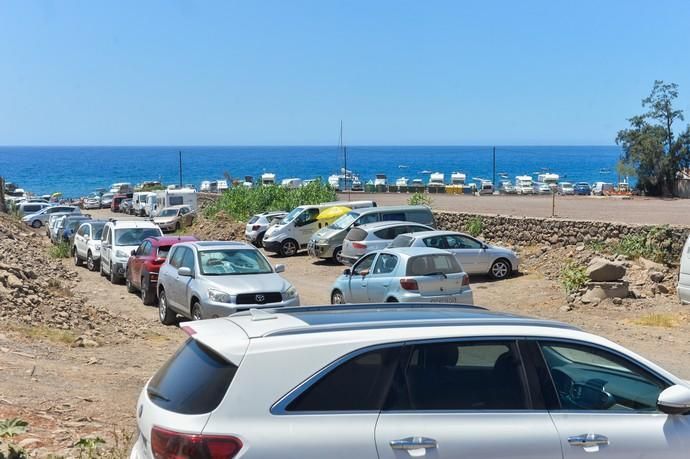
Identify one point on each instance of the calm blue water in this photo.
(75, 171)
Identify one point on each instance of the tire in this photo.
(336, 255)
(148, 296)
(91, 264)
(195, 311)
(36, 224)
(128, 283)
(392, 300)
(337, 297)
(177, 226)
(77, 260)
(101, 270)
(289, 248)
(500, 269)
(166, 316)
(114, 279)
(260, 240)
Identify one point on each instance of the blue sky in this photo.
(286, 72)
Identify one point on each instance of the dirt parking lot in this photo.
(67, 393)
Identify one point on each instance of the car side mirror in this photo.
(347, 272)
(185, 272)
(280, 268)
(674, 400)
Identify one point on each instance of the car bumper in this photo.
(272, 246)
(120, 268)
(348, 260)
(465, 297)
(168, 226)
(319, 250)
(251, 236)
(212, 309)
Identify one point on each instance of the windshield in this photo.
(291, 216)
(345, 221)
(233, 262)
(74, 224)
(134, 236)
(107, 196)
(168, 213)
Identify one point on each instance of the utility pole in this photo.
(494, 179)
(349, 190)
(180, 152)
(3, 207)
(553, 203)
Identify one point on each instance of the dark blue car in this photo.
(71, 225)
(582, 189)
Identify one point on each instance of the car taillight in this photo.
(409, 284)
(465, 280)
(167, 444)
(159, 261)
(359, 245)
(256, 227)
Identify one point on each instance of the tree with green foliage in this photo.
(650, 147)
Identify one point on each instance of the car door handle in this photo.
(588, 440)
(414, 443)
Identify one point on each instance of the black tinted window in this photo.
(483, 375)
(398, 216)
(359, 384)
(253, 219)
(432, 264)
(589, 378)
(401, 241)
(193, 381)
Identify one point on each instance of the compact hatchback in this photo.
(402, 381)
(257, 225)
(404, 275)
(374, 236)
(201, 280)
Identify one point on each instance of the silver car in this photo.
(174, 217)
(475, 256)
(40, 218)
(201, 280)
(405, 275)
(374, 236)
(259, 223)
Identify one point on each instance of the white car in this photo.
(364, 239)
(92, 201)
(259, 223)
(120, 238)
(387, 381)
(87, 244)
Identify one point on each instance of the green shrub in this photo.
(596, 246)
(474, 226)
(61, 250)
(420, 199)
(573, 277)
(240, 202)
(655, 245)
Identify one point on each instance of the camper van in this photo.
(294, 231)
(139, 202)
(121, 188)
(159, 200)
(523, 184)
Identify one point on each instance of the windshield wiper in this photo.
(155, 393)
(437, 273)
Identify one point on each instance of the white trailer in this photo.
(161, 199)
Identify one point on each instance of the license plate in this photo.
(447, 299)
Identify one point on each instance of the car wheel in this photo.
(196, 311)
(166, 316)
(259, 242)
(113, 277)
(392, 300)
(147, 295)
(128, 283)
(77, 260)
(102, 270)
(36, 224)
(500, 269)
(90, 262)
(336, 255)
(337, 297)
(177, 226)
(288, 248)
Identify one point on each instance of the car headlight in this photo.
(218, 296)
(290, 293)
(120, 254)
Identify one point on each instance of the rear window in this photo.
(193, 381)
(356, 234)
(253, 219)
(163, 251)
(401, 241)
(433, 264)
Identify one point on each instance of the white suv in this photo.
(87, 244)
(391, 381)
(119, 239)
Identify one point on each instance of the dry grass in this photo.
(657, 320)
(56, 288)
(43, 333)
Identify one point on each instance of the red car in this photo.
(117, 199)
(144, 263)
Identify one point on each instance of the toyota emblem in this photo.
(260, 298)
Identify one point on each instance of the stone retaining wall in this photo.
(523, 231)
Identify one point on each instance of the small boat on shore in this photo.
(425, 172)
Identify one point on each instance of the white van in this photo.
(139, 202)
(523, 184)
(684, 277)
(159, 200)
(294, 231)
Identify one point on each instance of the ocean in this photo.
(76, 171)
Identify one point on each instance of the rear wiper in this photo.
(155, 393)
(437, 273)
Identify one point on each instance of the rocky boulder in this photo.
(603, 270)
